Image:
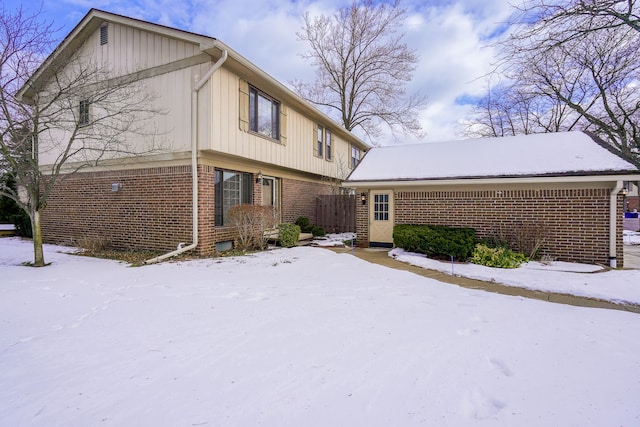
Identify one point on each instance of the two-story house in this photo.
(231, 134)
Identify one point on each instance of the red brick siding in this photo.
(151, 211)
(299, 199)
(362, 220)
(577, 220)
(206, 210)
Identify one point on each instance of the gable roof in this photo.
(209, 45)
(537, 155)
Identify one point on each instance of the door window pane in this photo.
(381, 207)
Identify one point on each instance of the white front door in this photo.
(381, 217)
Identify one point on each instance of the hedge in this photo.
(435, 241)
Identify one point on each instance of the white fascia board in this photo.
(490, 181)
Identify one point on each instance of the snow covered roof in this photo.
(538, 155)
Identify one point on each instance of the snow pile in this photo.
(332, 240)
(299, 336)
(619, 286)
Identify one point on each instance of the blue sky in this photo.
(453, 39)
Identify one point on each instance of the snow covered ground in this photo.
(300, 336)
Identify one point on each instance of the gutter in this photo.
(194, 161)
(613, 217)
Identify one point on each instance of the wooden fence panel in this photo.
(336, 213)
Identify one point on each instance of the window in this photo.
(264, 113)
(231, 189)
(319, 142)
(83, 113)
(355, 156)
(104, 34)
(381, 207)
(328, 143)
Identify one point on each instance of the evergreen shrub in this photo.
(318, 231)
(499, 257)
(289, 234)
(435, 241)
(304, 223)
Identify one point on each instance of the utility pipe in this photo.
(194, 161)
(613, 218)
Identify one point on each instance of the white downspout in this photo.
(613, 223)
(194, 161)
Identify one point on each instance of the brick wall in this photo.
(576, 220)
(152, 210)
(362, 220)
(299, 199)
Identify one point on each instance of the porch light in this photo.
(363, 198)
(624, 191)
(259, 178)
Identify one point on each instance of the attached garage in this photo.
(566, 187)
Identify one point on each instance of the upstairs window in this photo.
(355, 156)
(264, 113)
(319, 142)
(104, 34)
(83, 113)
(328, 144)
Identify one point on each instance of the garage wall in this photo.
(576, 221)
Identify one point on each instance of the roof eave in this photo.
(610, 177)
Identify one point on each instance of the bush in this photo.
(497, 257)
(304, 223)
(22, 222)
(435, 240)
(317, 231)
(289, 234)
(93, 244)
(250, 222)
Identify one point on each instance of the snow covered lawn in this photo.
(298, 337)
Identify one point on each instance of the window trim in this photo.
(355, 160)
(254, 114)
(84, 112)
(319, 148)
(245, 198)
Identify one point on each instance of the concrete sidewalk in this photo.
(380, 256)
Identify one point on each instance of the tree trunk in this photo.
(38, 253)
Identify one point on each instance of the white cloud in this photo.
(452, 39)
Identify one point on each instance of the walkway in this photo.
(632, 256)
(380, 256)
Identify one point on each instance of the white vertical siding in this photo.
(227, 137)
(131, 49)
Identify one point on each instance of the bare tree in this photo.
(579, 58)
(362, 67)
(72, 112)
(510, 109)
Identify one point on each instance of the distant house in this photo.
(235, 135)
(567, 185)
